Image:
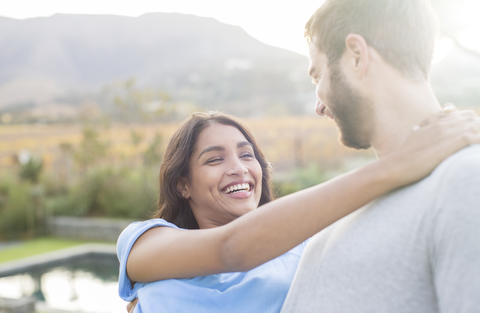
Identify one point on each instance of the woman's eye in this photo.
(213, 160)
(247, 155)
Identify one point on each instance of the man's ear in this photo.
(357, 53)
(182, 188)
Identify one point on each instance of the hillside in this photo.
(52, 67)
(62, 58)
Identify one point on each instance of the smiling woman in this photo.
(210, 249)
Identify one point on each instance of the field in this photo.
(289, 143)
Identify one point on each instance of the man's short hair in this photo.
(402, 31)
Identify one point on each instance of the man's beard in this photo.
(353, 113)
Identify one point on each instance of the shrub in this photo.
(109, 192)
(17, 215)
(32, 169)
(298, 180)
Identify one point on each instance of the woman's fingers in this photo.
(428, 121)
(454, 132)
(446, 134)
(447, 121)
(467, 118)
(449, 107)
(131, 305)
(447, 110)
(443, 135)
(469, 132)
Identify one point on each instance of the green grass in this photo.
(36, 246)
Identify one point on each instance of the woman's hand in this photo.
(131, 305)
(433, 141)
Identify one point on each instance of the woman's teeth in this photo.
(237, 188)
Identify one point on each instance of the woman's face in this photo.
(225, 179)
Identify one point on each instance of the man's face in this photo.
(352, 112)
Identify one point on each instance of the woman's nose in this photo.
(237, 168)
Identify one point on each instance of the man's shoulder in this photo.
(471, 152)
(463, 162)
(458, 182)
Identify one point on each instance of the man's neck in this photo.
(399, 108)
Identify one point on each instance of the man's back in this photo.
(414, 250)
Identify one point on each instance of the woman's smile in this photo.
(239, 189)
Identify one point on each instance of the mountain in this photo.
(54, 66)
(66, 59)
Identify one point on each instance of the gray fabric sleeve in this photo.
(455, 248)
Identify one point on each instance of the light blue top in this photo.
(262, 289)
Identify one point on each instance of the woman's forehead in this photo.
(217, 133)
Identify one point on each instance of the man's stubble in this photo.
(353, 112)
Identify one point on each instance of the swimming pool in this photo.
(78, 281)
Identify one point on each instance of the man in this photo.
(416, 249)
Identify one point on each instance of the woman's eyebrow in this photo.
(212, 148)
(243, 144)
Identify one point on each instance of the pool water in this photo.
(88, 284)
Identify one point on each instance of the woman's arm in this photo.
(261, 235)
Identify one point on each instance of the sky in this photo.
(277, 23)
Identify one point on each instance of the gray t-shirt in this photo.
(416, 249)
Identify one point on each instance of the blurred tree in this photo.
(135, 105)
(64, 166)
(91, 149)
(136, 137)
(16, 208)
(153, 155)
(31, 168)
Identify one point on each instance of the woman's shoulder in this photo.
(131, 233)
(154, 222)
(143, 226)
